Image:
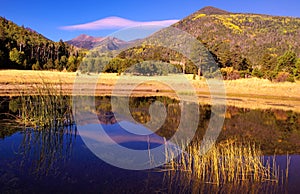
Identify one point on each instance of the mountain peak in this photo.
(209, 10)
(105, 43)
(84, 37)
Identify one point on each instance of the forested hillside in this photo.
(243, 45)
(23, 48)
(266, 44)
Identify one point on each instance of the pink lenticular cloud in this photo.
(117, 23)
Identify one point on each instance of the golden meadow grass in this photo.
(249, 93)
(253, 86)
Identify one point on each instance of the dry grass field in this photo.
(248, 93)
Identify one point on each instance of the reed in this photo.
(45, 105)
(45, 112)
(227, 163)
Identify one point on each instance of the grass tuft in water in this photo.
(228, 163)
(45, 106)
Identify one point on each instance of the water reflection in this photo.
(8, 125)
(180, 185)
(41, 150)
(31, 159)
(276, 131)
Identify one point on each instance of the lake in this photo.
(57, 158)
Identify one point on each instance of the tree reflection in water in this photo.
(45, 149)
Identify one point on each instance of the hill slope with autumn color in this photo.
(242, 44)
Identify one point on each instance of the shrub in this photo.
(257, 73)
(270, 75)
(283, 77)
(230, 74)
(244, 74)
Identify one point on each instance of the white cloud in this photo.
(117, 23)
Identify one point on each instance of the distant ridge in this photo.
(102, 43)
(85, 41)
(84, 37)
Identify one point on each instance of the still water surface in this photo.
(58, 161)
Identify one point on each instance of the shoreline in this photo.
(250, 93)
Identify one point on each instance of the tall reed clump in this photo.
(45, 105)
(45, 111)
(226, 163)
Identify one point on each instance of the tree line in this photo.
(23, 48)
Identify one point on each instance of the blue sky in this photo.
(51, 18)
